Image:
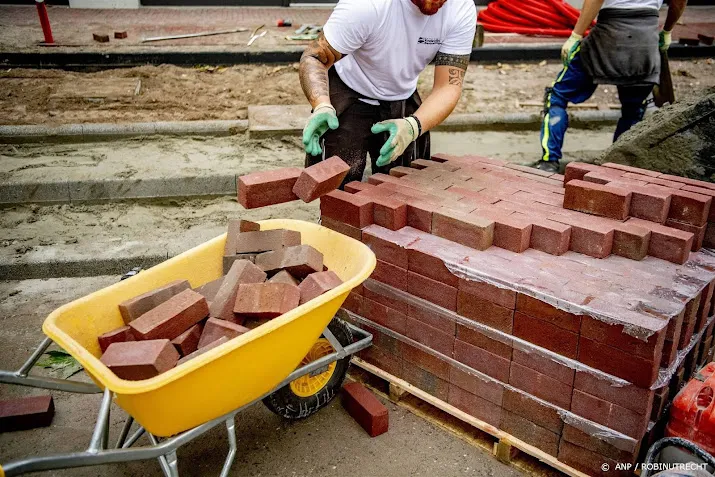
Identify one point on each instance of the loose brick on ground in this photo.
(266, 240)
(266, 300)
(365, 408)
(137, 360)
(171, 318)
(137, 306)
(351, 209)
(300, 261)
(318, 283)
(261, 189)
(28, 412)
(119, 335)
(215, 329)
(319, 179)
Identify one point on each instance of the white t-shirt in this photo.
(388, 43)
(655, 4)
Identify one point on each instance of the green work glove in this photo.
(323, 117)
(569, 48)
(402, 133)
(664, 40)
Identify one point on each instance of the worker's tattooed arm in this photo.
(317, 59)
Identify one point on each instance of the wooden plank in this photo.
(396, 392)
(506, 441)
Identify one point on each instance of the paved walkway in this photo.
(20, 29)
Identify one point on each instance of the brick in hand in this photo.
(215, 329)
(365, 408)
(242, 271)
(299, 261)
(24, 413)
(266, 300)
(319, 179)
(137, 360)
(171, 318)
(261, 189)
(318, 283)
(137, 306)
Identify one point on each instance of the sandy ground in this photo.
(172, 93)
(329, 443)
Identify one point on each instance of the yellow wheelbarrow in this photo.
(294, 363)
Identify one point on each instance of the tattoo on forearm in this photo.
(460, 61)
(456, 76)
(317, 59)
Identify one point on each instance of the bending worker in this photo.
(622, 50)
(361, 75)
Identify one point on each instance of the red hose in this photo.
(526, 30)
(523, 12)
(504, 17)
(44, 21)
(530, 17)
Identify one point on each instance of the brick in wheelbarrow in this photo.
(236, 227)
(261, 189)
(319, 179)
(300, 261)
(209, 290)
(266, 300)
(137, 360)
(200, 351)
(266, 240)
(316, 284)
(137, 306)
(24, 413)
(171, 318)
(215, 329)
(365, 408)
(188, 341)
(284, 277)
(242, 271)
(119, 335)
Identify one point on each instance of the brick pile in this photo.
(550, 324)
(267, 273)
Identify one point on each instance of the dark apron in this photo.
(622, 49)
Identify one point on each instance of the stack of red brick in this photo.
(477, 300)
(267, 274)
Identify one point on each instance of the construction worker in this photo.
(622, 50)
(361, 75)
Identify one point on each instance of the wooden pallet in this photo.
(506, 448)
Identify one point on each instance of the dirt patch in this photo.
(171, 93)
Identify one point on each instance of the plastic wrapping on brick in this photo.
(689, 279)
(614, 438)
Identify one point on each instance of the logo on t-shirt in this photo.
(429, 41)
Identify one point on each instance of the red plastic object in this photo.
(692, 415)
(44, 21)
(529, 17)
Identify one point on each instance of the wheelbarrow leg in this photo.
(168, 462)
(125, 432)
(232, 447)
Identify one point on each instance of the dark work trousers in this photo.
(353, 140)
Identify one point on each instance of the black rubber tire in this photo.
(287, 404)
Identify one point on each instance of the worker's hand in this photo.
(567, 51)
(664, 40)
(323, 118)
(402, 133)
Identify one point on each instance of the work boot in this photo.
(549, 166)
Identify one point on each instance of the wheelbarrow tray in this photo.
(228, 376)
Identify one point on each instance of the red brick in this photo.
(639, 371)
(284, 277)
(634, 170)
(475, 406)
(431, 337)
(432, 291)
(386, 298)
(235, 227)
(672, 340)
(665, 242)
(665, 183)
(383, 315)
(430, 266)
(171, 318)
(391, 275)
(203, 349)
(545, 334)
(549, 236)
(266, 240)
(228, 261)
(576, 170)
(423, 360)
(482, 360)
(120, 35)
(705, 307)
(215, 329)
(626, 452)
(433, 318)
(512, 233)
(486, 312)
(500, 296)
(589, 462)
(300, 261)
(660, 400)
(539, 309)
(633, 398)
(120, 335)
(28, 412)
(709, 240)
(353, 210)
(354, 303)
(365, 408)
(425, 381)
(473, 232)
(385, 249)
(318, 283)
(614, 335)
(188, 341)
(357, 186)
(689, 207)
(241, 272)
(321, 178)
(481, 386)
(710, 192)
(698, 232)
(345, 229)
(137, 360)
(649, 203)
(137, 306)
(209, 290)
(597, 177)
(380, 357)
(606, 201)
(260, 189)
(630, 241)
(419, 214)
(485, 340)
(689, 321)
(541, 362)
(539, 412)
(610, 415)
(540, 385)
(266, 300)
(390, 213)
(526, 431)
(590, 237)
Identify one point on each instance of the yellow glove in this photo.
(567, 51)
(664, 40)
(402, 133)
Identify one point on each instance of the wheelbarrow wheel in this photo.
(310, 393)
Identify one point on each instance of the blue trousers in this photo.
(574, 85)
